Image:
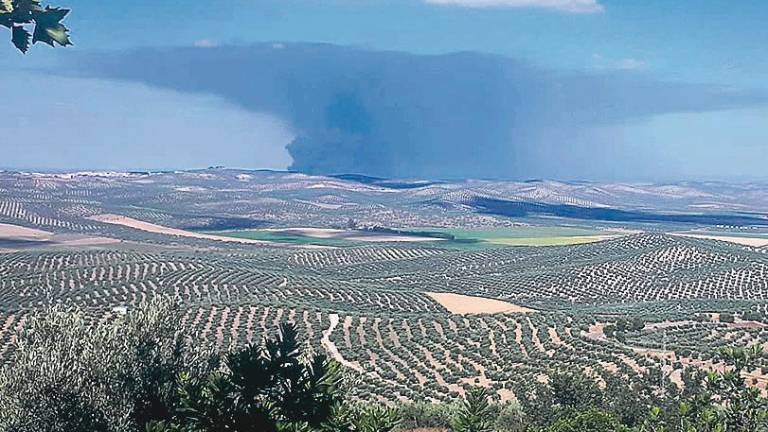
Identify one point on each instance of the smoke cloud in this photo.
(396, 114)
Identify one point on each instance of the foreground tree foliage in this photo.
(19, 16)
(589, 421)
(474, 415)
(70, 373)
(260, 388)
(140, 372)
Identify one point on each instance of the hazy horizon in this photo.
(158, 170)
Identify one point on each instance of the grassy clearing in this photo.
(518, 236)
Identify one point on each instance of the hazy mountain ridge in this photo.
(333, 200)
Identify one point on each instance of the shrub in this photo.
(429, 415)
(589, 421)
(71, 373)
(474, 414)
(267, 387)
(509, 419)
(727, 318)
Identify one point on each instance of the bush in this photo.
(428, 415)
(728, 318)
(139, 373)
(589, 421)
(70, 373)
(474, 414)
(509, 419)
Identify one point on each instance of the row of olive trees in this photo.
(571, 401)
(141, 372)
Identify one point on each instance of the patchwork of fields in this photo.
(410, 319)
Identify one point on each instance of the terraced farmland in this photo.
(372, 305)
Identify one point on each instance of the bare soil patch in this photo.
(78, 240)
(744, 241)
(465, 305)
(159, 229)
(14, 238)
(596, 332)
(16, 232)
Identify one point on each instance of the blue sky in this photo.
(699, 40)
(711, 42)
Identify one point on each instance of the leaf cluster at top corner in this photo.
(48, 29)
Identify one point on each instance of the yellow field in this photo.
(547, 241)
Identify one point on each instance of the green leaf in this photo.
(21, 39)
(48, 27)
(5, 20)
(22, 10)
(26, 7)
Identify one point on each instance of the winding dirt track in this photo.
(331, 348)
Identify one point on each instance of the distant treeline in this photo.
(423, 233)
(411, 233)
(215, 223)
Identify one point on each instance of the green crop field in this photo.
(518, 236)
